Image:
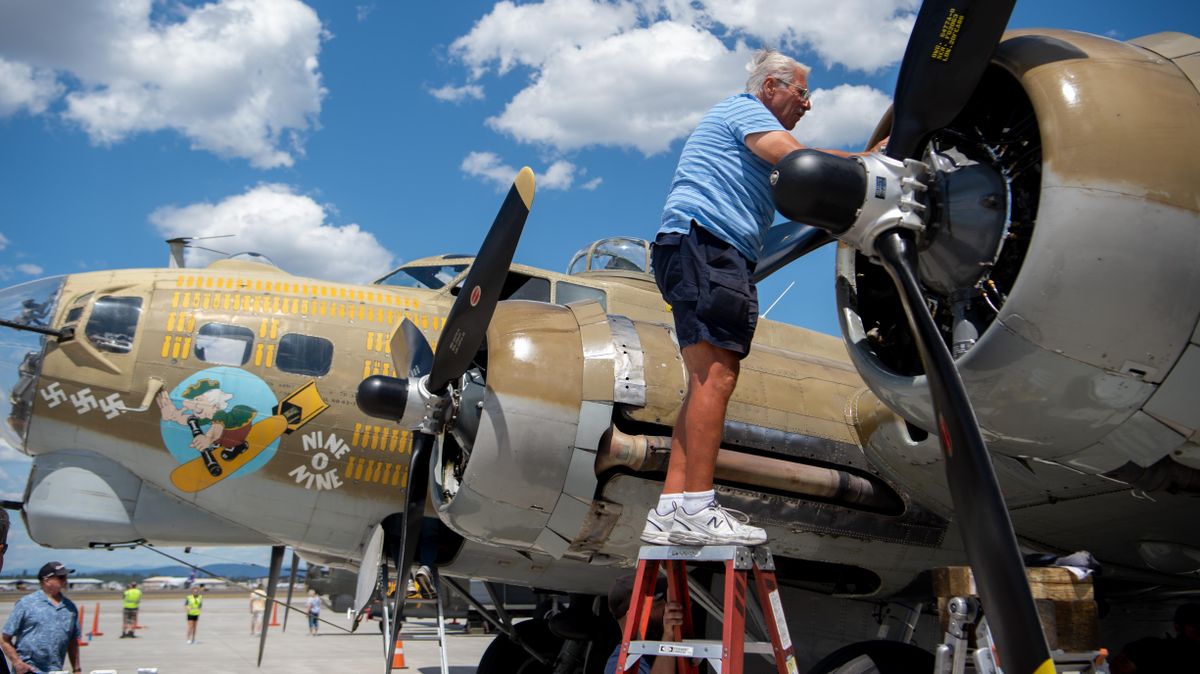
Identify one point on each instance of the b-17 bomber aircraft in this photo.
(1049, 227)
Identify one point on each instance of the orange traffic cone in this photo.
(81, 641)
(398, 657)
(274, 615)
(96, 622)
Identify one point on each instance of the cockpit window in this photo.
(304, 354)
(224, 344)
(113, 323)
(431, 277)
(615, 254)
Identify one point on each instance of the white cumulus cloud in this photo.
(30, 269)
(453, 94)
(529, 34)
(289, 228)
(488, 167)
(642, 89)
(238, 78)
(841, 116)
(23, 87)
(639, 74)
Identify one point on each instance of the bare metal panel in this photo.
(1141, 439)
(1178, 399)
(581, 475)
(630, 370)
(552, 544)
(569, 514)
(594, 419)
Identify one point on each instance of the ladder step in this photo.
(693, 648)
(695, 553)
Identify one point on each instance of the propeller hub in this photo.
(855, 199)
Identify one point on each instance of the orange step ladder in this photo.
(725, 656)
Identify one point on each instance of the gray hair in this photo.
(768, 62)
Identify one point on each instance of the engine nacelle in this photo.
(527, 478)
(1075, 324)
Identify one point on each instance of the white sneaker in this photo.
(658, 527)
(714, 525)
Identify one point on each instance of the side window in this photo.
(304, 354)
(569, 292)
(113, 323)
(224, 344)
(531, 288)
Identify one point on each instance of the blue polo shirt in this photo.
(41, 630)
(719, 182)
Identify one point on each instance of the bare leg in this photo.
(712, 375)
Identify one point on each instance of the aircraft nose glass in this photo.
(30, 304)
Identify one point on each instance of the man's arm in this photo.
(672, 622)
(771, 146)
(10, 652)
(73, 654)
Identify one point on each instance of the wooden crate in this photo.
(1066, 605)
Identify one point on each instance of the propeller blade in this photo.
(978, 504)
(291, 589)
(950, 46)
(467, 322)
(786, 243)
(272, 581)
(411, 353)
(368, 573)
(397, 618)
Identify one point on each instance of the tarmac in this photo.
(224, 645)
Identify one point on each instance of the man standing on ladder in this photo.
(713, 225)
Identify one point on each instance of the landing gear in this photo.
(505, 656)
(875, 657)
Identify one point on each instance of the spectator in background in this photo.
(193, 602)
(44, 626)
(131, 599)
(313, 605)
(258, 608)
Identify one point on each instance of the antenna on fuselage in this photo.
(179, 244)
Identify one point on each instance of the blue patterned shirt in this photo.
(719, 182)
(42, 630)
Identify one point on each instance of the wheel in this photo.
(876, 657)
(505, 657)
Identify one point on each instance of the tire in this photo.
(505, 657)
(876, 657)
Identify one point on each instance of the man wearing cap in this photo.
(44, 626)
(665, 618)
(131, 598)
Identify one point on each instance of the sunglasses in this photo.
(802, 92)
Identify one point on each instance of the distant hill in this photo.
(230, 570)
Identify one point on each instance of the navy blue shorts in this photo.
(710, 287)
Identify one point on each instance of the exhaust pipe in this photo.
(650, 453)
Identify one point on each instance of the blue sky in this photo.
(341, 139)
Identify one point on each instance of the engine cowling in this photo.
(1073, 317)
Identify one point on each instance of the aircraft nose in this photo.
(26, 311)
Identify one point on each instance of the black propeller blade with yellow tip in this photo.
(420, 402)
(950, 47)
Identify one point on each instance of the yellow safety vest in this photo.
(193, 604)
(132, 597)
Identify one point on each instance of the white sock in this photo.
(695, 501)
(667, 503)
